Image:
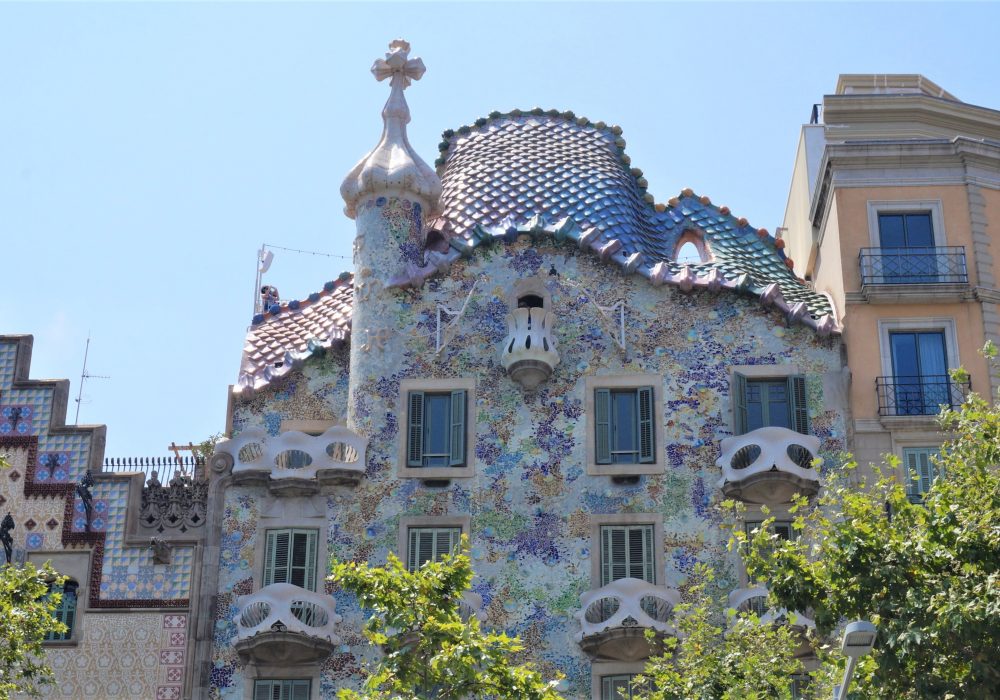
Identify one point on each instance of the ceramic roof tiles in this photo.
(532, 172)
(290, 332)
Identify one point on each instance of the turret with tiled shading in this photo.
(391, 193)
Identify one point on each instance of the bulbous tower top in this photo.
(393, 167)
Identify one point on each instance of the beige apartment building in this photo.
(894, 211)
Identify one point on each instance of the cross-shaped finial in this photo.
(397, 62)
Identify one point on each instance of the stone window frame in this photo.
(900, 206)
(407, 521)
(886, 326)
(624, 381)
(292, 513)
(776, 372)
(599, 669)
(432, 385)
(296, 672)
(626, 519)
(76, 567)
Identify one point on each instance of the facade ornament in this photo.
(178, 506)
(8, 542)
(376, 340)
(161, 550)
(83, 491)
(393, 167)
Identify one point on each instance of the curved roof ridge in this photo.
(288, 333)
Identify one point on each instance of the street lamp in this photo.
(859, 638)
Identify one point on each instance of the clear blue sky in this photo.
(147, 150)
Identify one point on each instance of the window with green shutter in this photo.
(624, 427)
(290, 557)
(627, 552)
(759, 403)
(282, 689)
(65, 612)
(622, 686)
(430, 544)
(919, 463)
(436, 429)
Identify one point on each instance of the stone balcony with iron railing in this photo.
(529, 352)
(285, 624)
(614, 619)
(768, 465)
(293, 463)
(754, 600)
(914, 275)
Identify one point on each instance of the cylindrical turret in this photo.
(390, 194)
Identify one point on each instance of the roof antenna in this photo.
(84, 376)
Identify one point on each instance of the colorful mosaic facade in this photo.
(119, 647)
(431, 307)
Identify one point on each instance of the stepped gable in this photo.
(528, 172)
(288, 333)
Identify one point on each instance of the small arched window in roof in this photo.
(691, 249)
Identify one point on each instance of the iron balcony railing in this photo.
(918, 396)
(165, 468)
(938, 265)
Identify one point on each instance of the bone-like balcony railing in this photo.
(529, 352)
(292, 454)
(769, 451)
(283, 607)
(627, 602)
(755, 600)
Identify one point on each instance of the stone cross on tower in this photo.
(393, 168)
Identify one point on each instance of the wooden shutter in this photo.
(303, 564)
(457, 429)
(627, 551)
(616, 687)
(921, 470)
(602, 426)
(276, 557)
(299, 690)
(264, 690)
(415, 432)
(797, 401)
(445, 542)
(647, 434)
(739, 403)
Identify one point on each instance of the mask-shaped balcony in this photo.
(755, 600)
(768, 466)
(614, 619)
(285, 624)
(293, 463)
(529, 352)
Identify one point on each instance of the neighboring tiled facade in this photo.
(537, 227)
(129, 633)
(893, 211)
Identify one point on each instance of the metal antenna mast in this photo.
(84, 376)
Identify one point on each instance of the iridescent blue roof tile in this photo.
(512, 167)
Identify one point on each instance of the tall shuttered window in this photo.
(624, 429)
(919, 463)
(622, 686)
(65, 612)
(430, 544)
(436, 430)
(282, 689)
(290, 557)
(759, 403)
(627, 552)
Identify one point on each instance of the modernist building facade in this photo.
(130, 550)
(893, 211)
(519, 356)
(534, 352)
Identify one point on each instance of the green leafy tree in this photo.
(430, 651)
(26, 616)
(716, 656)
(927, 574)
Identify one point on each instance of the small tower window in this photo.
(688, 254)
(530, 301)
